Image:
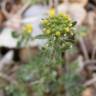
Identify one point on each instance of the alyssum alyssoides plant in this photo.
(44, 74)
(60, 33)
(59, 30)
(24, 35)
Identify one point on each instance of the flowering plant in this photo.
(24, 35)
(59, 30)
(44, 74)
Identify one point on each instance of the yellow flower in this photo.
(67, 29)
(48, 31)
(52, 12)
(58, 33)
(62, 14)
(67, 17)
(70, 25)
(45, 21)
(28, 28)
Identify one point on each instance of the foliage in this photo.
(72, 81)
(42, 75)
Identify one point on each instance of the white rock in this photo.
(7, 59)
(33, 16)
(6, 39)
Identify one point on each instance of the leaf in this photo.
(74, 23)
(15, 35)
(41, 37)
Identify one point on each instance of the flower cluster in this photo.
(60, 28)
(27, 28)
(24, 35)
(52, 12)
